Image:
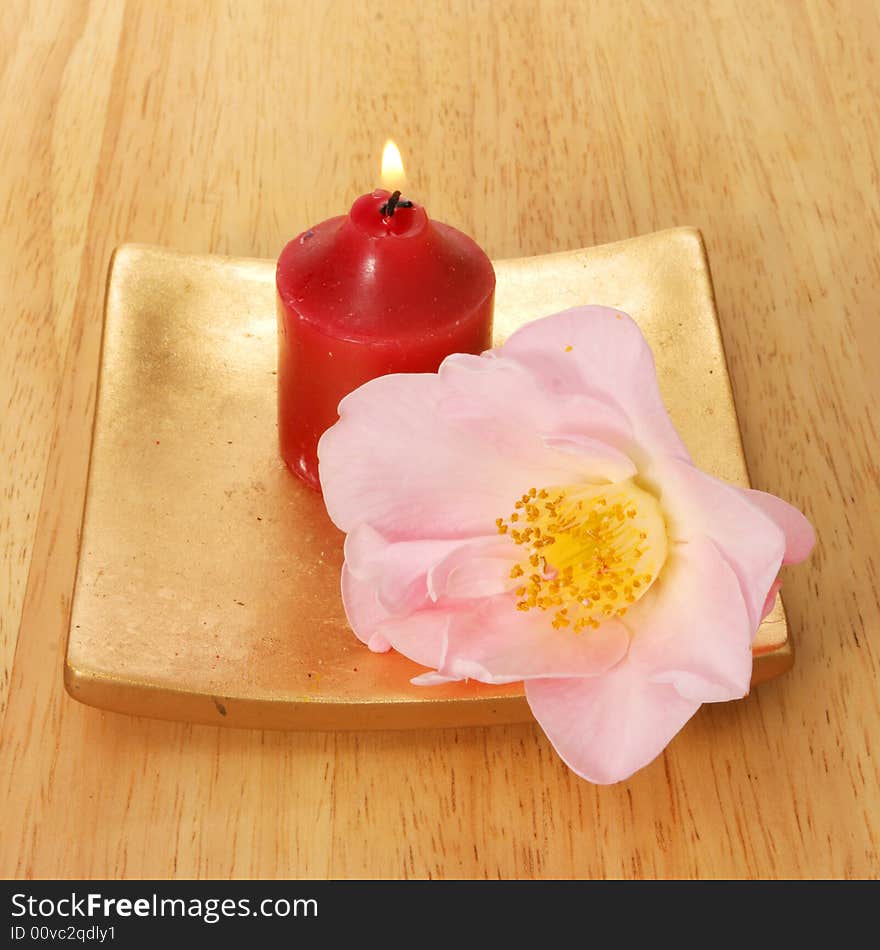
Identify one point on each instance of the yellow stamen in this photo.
(588, 554)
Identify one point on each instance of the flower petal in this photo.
(607, 727)
(698, 505)
(422, 636)
(480, 568)
(799, 533)
(432, 679)
(493, 642)
(363, 611)
(521, 406)
(692, 630)
(594, 457)
(426, 473)
(417, 478)
(386, 581)
(599, 351)
(398, 571)
(770, 602)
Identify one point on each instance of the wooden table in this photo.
(535, 127)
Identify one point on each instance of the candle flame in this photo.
(393, 175)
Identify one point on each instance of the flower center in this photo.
(589, 551)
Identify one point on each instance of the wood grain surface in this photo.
(535, 126)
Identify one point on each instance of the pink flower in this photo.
(532, 514)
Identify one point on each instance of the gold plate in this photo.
(208, 580)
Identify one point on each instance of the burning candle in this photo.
(383, 289)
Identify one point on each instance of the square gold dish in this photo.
(207, 587)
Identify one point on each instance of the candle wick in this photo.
(392, 204)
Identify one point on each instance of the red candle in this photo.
(383, 289)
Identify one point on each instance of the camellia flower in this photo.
(531, 514)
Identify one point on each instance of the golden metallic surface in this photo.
(208, 580)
